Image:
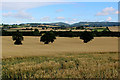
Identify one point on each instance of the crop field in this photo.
(71, 65)
(32, 46)
(20, 29)
(99, 29)
(117, 28)
(65, 58)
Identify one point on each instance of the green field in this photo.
(100, 29)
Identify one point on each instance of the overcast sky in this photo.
(69, 12)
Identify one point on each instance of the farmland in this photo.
(72, 65)
(33, 47)
(59, 40)
(112, 28)
(65, 58)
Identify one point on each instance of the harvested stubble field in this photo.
(65, 58)
(33, 47)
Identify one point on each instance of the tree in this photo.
(107, 29)
(46, 27)
(80, 27)
(36, 32)
(48, 37)
(43, 28)
(86, 36)
(70, 34)
(94, 26)
(17, 37)
(95, 32)
(5, 26)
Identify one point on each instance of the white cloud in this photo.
(109, 19)
(18, 15)
(117, 12)
(59, 10)
(60, 0)
(70, 22)
(67, 22)
(27, 5)
(106, 11)
(74, 19)
(60, 18)
(18, 22)
(23, 5)
(46, 18)
(7, 14)
(33, 0)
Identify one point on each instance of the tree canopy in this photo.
(48, 37)
(36, 32)
(86, 36)
(17, 37)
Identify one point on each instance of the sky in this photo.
(50, 12)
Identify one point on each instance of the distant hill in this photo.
(98, 24)
(89, 24)
(62, 24)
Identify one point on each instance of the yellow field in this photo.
(117, 28)
(82, 65)
(33, 47)
(65, 58)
